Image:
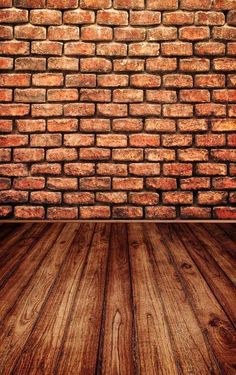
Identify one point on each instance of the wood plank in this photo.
(14, 255)
(154, 343)
(220, 284)
(190, 346)
(19, 279)
(50, 327)
(8, 242)
(221, 248)
(229, 229)
(80, 345)
(117, 352)
(6, 229)
(215, 324)
(16, 328)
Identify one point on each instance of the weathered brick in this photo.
(96, 212)
(29, 212)
(62, 95)
(160, 212)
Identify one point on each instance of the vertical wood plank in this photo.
(49, 330)
(117, 353)
(190, 346)
(155, 350)
(80, 347)
(15, 330)
(219, 283)
(214, 323)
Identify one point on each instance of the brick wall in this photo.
(122, 109)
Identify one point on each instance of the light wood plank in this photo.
(118, 356)
(190, 346)
(16, 328)
(219, 283)
(155, 352)
(22, 274)
(80, 347)
(216, 326)
(50, 327)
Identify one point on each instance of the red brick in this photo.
(112, 80)
(177, 197)
(145, 109)
(5, 155)
(46, 110)
(63, 33)
(113, 140)
(79, 48)
(128, 4)
(193, 125)
(30, 95)
(13, 170)
(95, 95)
(46, 48)
(95, 153)
(28, 154)
(14, 47)
(127, 95)
(159, 154)
(78, 198)
(6, 32)
(210, 109)
(95, 4)
(210, 140)
(211, 169)
(6, 63)
(81, 80)
(144, 49)
(127, 212)
(62, 154)
(177, 169)
(112, 49)
(62, 95)
(195, 4)
(161, 213)
(224, 64)
(209, 48)
(29, 212)
(209, 18)
(109, 169)
(47, 79)
(231, 140)
(78, 16)
(144, 169)
(224, 183)
(5, 126)
(113, 197)
(195, 213)
(173, 140)
(31, 126)
(225, 213)
(5, 211)
(160, 125)
(224, 125)
(177, 80)
(79, 109)
(95, 125)
(224, 4)
(223, 96)
(5, 95)
(62, 125)
(96, 33)
(14, 110)
(96, 212)
(193, 154)
(193, 96)
(144, 140)
(162, 33)
(112, 110)
(60, 213)
(13, 140)
(30, 32)
(127, 125)
(161, 96)
(30, 3)
(212, 197)
(195, 183)
(95, 183)
(13, 80)
(178, 110)
(127, 154)
(145, 18)
(177, 49)
(12, 15)
(195, 65)
(30, 63)
(79, 169)
(78, 140)
(63, 63)
(112, 17)
(129, 34)
(46, 169)
(178, 18)
(62, 183)
(194, 33)
(29, 183)
(45, 197)
(224, 33)
(160, 5)
(95, 64)
(45, 140)
(144, 199)
(209, 80)
(45, 17)
(161, 183)
(231, 17)
(145, 80)
(62, 4)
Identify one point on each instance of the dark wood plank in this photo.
(49, 330)
(216, 326)
(220, 284)
(189, 343)
(8, 242)
(224, 242)
(154, 343)
(117, 351)
(27, 267)
(16, 328)
(229, 229)
(17, 251)
(80, 345)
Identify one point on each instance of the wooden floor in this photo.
(117, 299)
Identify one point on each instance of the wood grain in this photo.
(120, 299)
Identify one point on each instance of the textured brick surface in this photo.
(122, 109)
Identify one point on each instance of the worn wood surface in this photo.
(99, 298)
